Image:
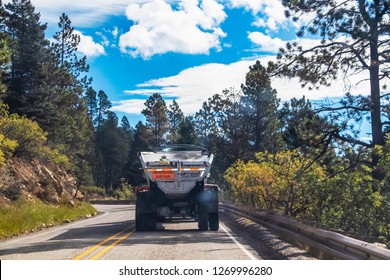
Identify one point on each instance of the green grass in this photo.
(28, 216)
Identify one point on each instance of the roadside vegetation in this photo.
(124, 192)
(28, 216)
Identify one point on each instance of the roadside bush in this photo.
(289, 182)
(7, 147)
(125, 191)
(93, 191)
(279, 182)
(23, 137)
(30, 137)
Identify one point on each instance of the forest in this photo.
(291, 157)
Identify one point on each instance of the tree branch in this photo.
(329, 109)
(351, 140)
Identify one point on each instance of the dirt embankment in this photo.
(21, 178)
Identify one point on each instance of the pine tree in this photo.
(157, 118)
(143, 138)
(91, 103)
(103, 107)
(206, 124)
(127, 130)
(65, 46)
(176, 117)
(30, 60)
(233, 140)
(114, 147)
(354, 39)
(261, 104)
(187, 132)
(5, 54)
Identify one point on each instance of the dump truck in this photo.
(177, 186)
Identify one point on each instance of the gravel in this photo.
(266, 244)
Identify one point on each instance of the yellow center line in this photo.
(97, 246)
(112, 245)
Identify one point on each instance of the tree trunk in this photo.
(376, 122)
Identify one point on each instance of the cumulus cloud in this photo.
(268, 44)
(192, 86)
(132, 106)
(190, 27)
(88, 47)
(268, 14)
(85, 13)
(265, 42)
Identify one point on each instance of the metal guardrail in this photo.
(323, 244)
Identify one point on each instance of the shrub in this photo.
(124, 192)
(281, 181)
(92, 191)
(7, 147)
(23, 137)
(30, 137)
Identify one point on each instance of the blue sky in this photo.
(185, 50)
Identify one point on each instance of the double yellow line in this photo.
(107, 248)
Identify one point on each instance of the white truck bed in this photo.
(176, 172)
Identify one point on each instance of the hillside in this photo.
(30, 180)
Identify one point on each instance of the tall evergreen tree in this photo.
(127, 130)
(114, 147)
(187, 132)
(5, 54)
(354, 39)
(206, 124)
(91, 103)
(233, 141)
(176, 117)
(103, 107)
(65, 46)
(30, 60)
(157, 118)
(143, 141)
(103, 104)
(261, 104)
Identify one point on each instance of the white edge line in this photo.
(238, 243)
(48, 231)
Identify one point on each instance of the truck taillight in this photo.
(211, 187)
(142, 189)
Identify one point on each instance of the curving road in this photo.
(111, 235)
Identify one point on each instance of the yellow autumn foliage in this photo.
(281, 181)
(20, 136)
(7, 146)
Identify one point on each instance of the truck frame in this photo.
(177, 177)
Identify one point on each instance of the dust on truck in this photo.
(177, 187)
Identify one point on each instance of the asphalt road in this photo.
(111, 235)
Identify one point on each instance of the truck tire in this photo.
(203, 221)
(214, 221)
(146, 222)
(151, 222)
(140, 223)
(145, 219)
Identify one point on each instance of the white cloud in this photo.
(191, 28)
(133, 106)
(88, 47)
(84, 13)
(268, 14)
(195, 85)
(115, 32)
(265, 42)
(268, 44)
